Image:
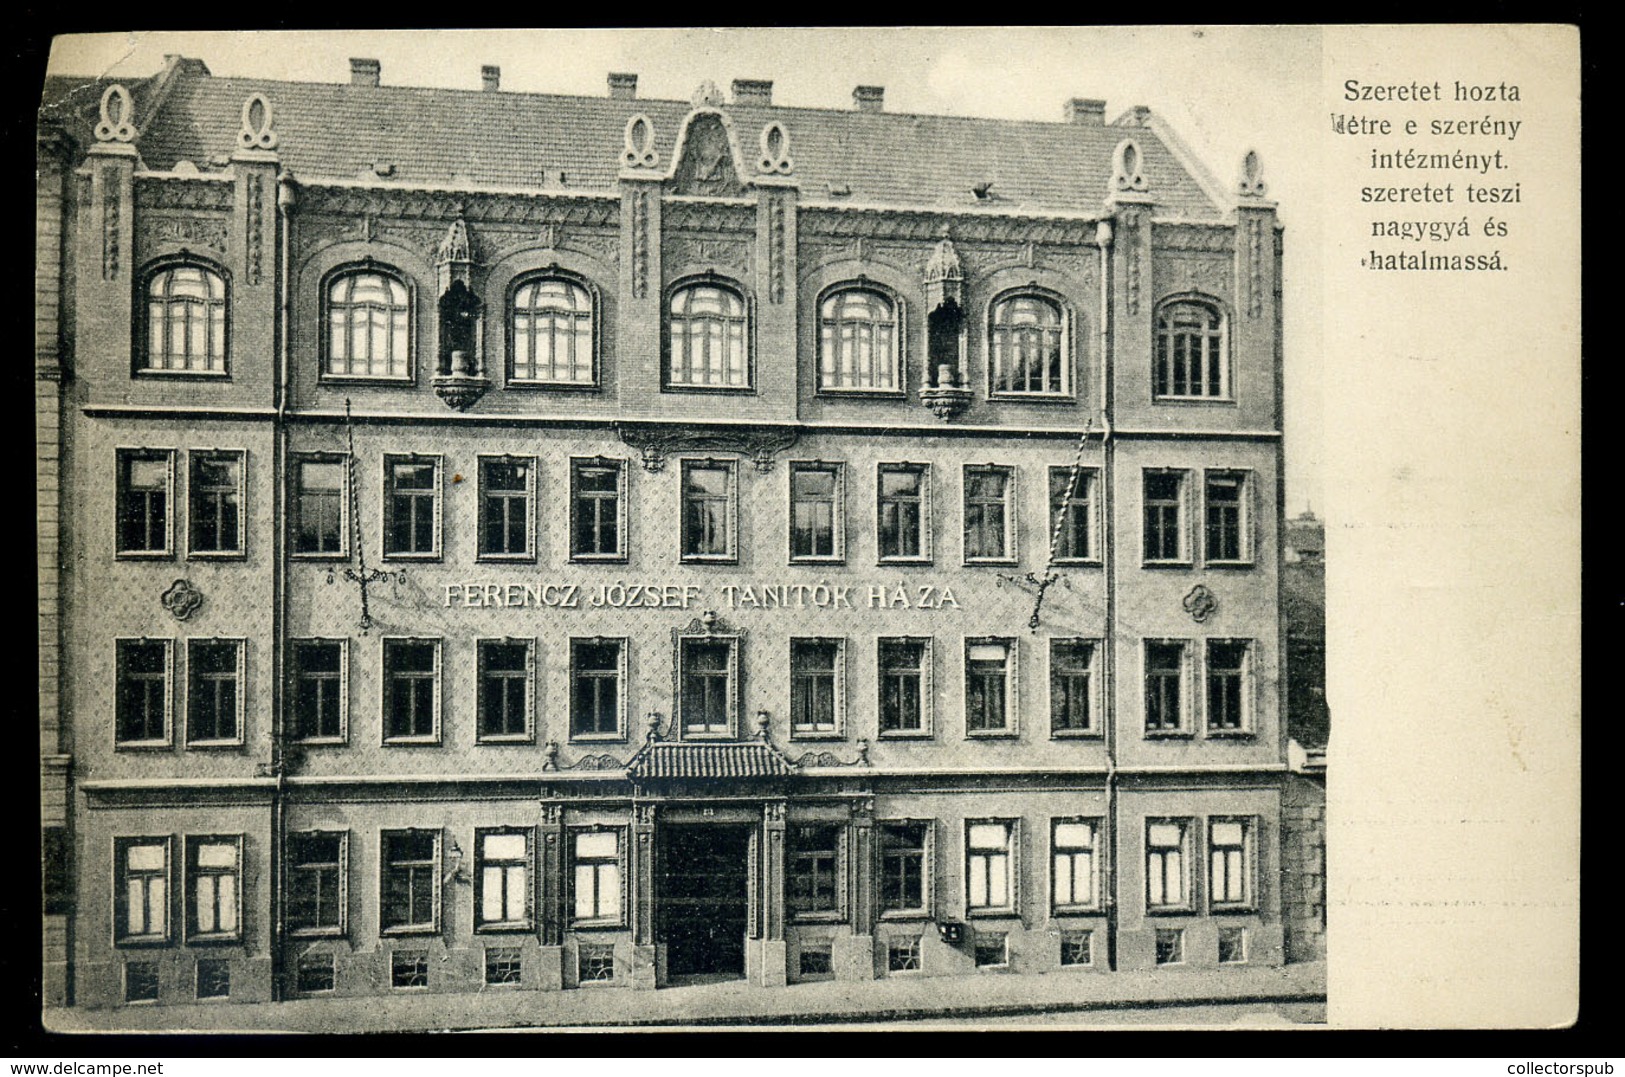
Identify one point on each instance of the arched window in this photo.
(707, 338)
(369, 320)
(858, 341)
(186, 320)
(1027, 346)
(552, 332)
(1190, 359)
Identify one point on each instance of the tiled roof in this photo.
(502, 139)
(708, 761)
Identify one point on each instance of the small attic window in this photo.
(984, 191)
(840, 190)
(383, 168)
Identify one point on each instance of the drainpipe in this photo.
(279, 590)
(1103, 238)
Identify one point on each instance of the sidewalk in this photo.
(732, 1004)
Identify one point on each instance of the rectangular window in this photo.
(1170, 946)
(990, 686)
(411, 691)
(506, 496)
(595, 962)
(320, 689)
(320, 515)
(597, 510)
(504, 965)
(992, 949)
(141, 889)
(708, 510)
(502, 879)
(316, 974)
(411, 506)
(214, 691)
(815, 512)
(1224, 496)
(1071, 686)
(1072, 844)
(143, 693)
(1228, 862)
(409, 968)
(1164, 682)
(989, 511)
(988, 871)
(904, 512)
(317, 878)
(141, 981)
(597, 672)
(1164, 505)
(214, 870)
(903, 953)
(1226, 685)
(1166, 857)
(213, 978)
(813, 868)
(904, 694)
(1077, 948)
(1232, 946)
(409, 890)
(904, 867)
(505, 692)
(709, 677)
(817, 959)
(596, 863)
(215, 504)
(1072, 513)
(145, 478)
(815, 686)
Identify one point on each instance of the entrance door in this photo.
(703, 899)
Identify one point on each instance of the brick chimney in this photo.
(623, 86)
(490, 78)
(364, 72)
(869, 98)
(1086, 110)
(753, 91)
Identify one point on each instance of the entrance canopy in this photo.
(659, 760)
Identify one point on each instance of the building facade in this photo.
(501, 542)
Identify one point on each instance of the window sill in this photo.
(141, 943)
(322, 742)
(709, 559)
(729, 390)
(992, 734)
(365, 379)
(142, 746)
(921, 561)
(1168, 734)
(316, 932)
(504, 928)
(906, 734)
(1231, 566)
(1230, 734)
(817, 735)
(407, 930)
(998, 562)
(859, 393)
(830, 917)
(693, 734)
(144, 555)
(1167, 910)
(1075, 734)
(160, 373)
(616, 924)
(1033, 398)
(213, 745)
(1170, 399)
(506, 738)
(1167, 564)
(412, 742)
(1077, 910)
(825, 559)
(214, 940)
(336, 555)
(901, 915)
(534, 384)
(1079, 562)
(505, 558)
(598, 558)
(597, 738)
(1003, 912)
(431, 555)
(217, 555)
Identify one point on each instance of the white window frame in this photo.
(527, 862)
(735, 695)
(168, 739)
(1012, 869)
(121, 911)
(388, 272)
(323, 931)
(1012, 693)
(436, 881)
(1096, 727)
(195, 457)
(1245, 515)
(730, 556)
(925, 556)
(1249, 864)
(1187, 846)
(837, 512)
(121, 456)
(1089, 478)
(1247, 681)
(599, 919)
(1186, 704)
(1226, 392)
(622, 488)
(528, 554)
(190, 890)
(1012, 497)
(669, 382)
(899, 338)
(1091, 903)
(594, 322)
(387, 509)
(294, 671)
(241, 646)
(622, 682)
(297, 461)
(928, 860)
(528, 734)
(841, 870)
(145, 366)
(385, 694)
(1182, 558)
(838, 703)
(927, 728)
(1066, 329)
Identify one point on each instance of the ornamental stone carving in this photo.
(638, 149)
(1126, 172)
(116, 123)
(1201, 603)
(181, 599)
(256, 133)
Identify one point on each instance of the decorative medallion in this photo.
(761, 444)
(1200, 603)
(181, 599)
(639, 143)
(707, 166)
(115, 125)
(256, 133)
(1126, 174)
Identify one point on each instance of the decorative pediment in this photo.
(456, 247)
(707, 160)
(657, 441)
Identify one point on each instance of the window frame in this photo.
(527, 862)
(122, 937)
(141, 358)
(594, 327)
(386, 692)
(1065, 330)
(1093, 902)
(599, 919)
(123, 456)
(193, 873)
(1185, 726)
(528, 554)
(926, 528)
(1181, 524)
(120, 643)
(1012, 695)
(622, 484)
(1012, 870)
(193, 643)
(928, 859)
(837, 730)
(1188, 880)
(731, 523)
(1011, 551)
(342, 898)
(735, 688)
(837, 503)
(295, 475)
(325, 372)
(295, 674)
(436, 867)
(840, 870)
(195, 457)
(387, 504)
(622, 679)
(927, 728)
(1095, 728)
(668, 383)
(1161, 343)
(1245, 679)
(899, 327)
(1089, 479)
(1245, 515)
(528, 734)
(1248, 901)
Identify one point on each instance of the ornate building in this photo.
(495, 541)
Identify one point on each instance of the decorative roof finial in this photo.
(256, 133)
(456, 246)
(1252, 176)
(775, 143)
(707, 95)
(1126, 174)
(115, 125)
(639, 143)
(944, 264)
